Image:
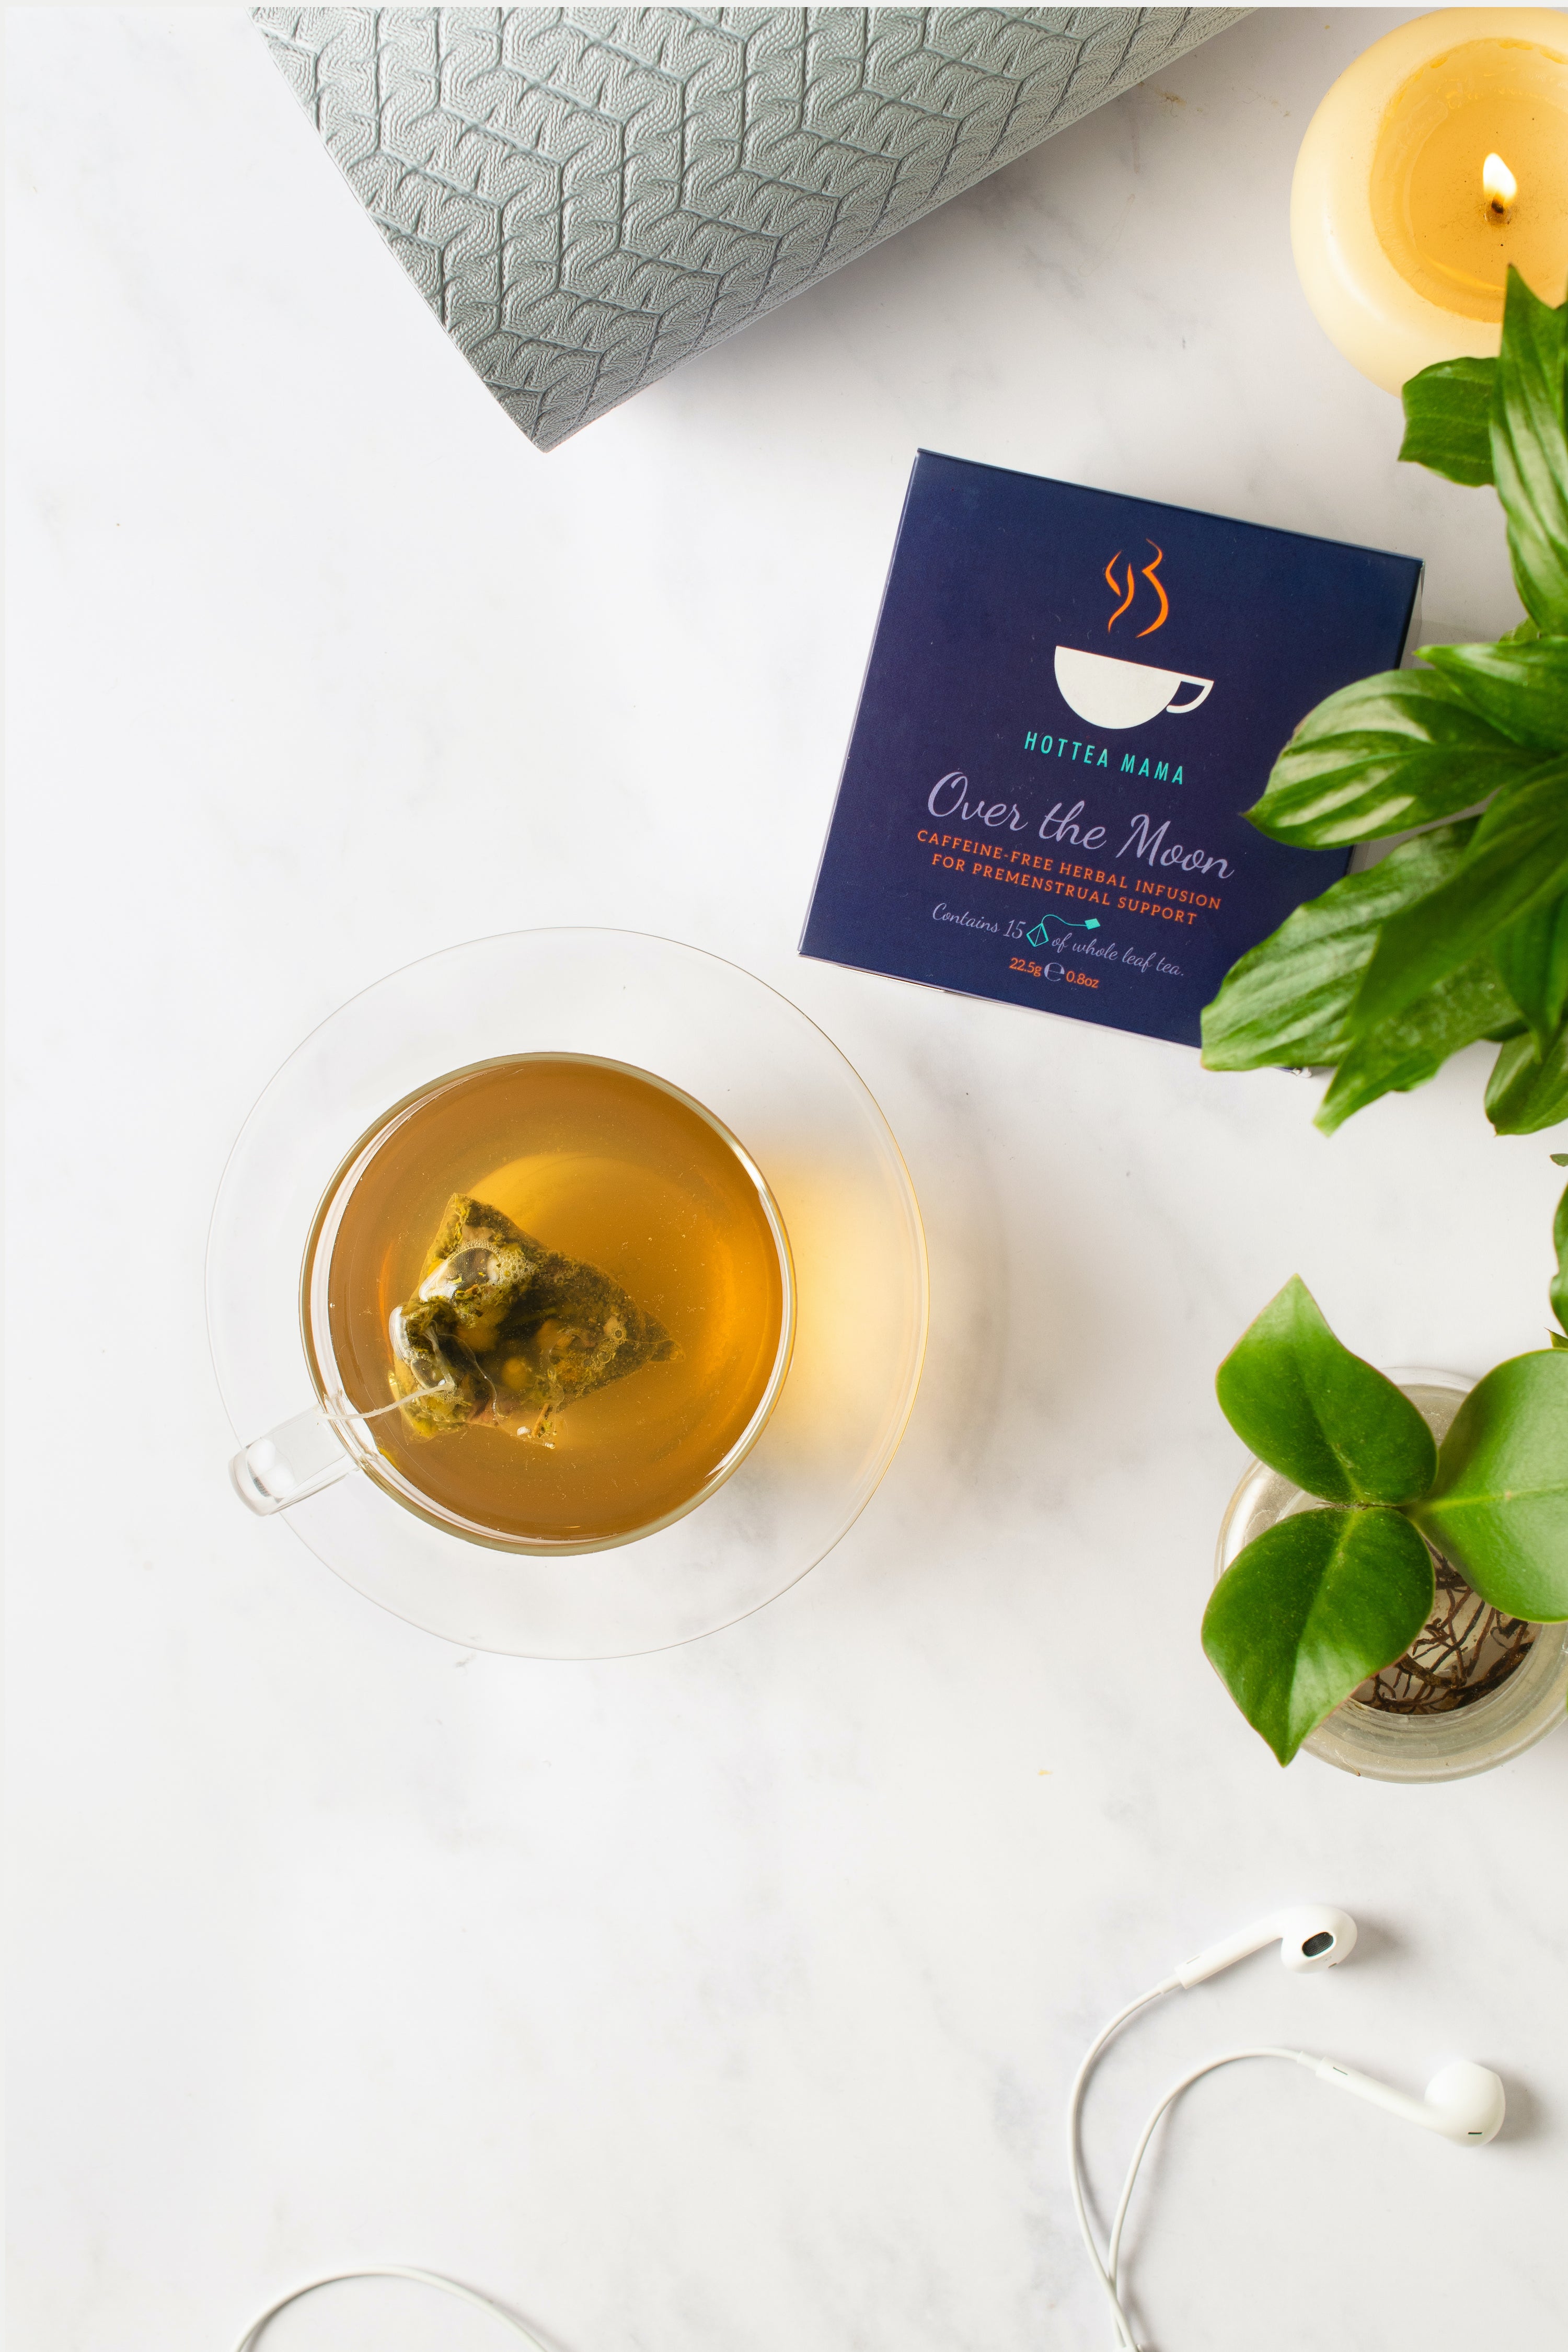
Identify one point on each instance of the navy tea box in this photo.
(1072, 697)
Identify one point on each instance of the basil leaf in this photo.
(1517, 858)
(1500, 1507)
(1412, 1044)
(1319, 1415)
(1532, 956)
(1558, 1292)
(1394, 750)
(1447, 413)
(1528, 1091)
(1310, 1608)
(1520, 688)
(1530, 450)
(1286, 1000)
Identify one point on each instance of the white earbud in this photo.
(1464, 2102)
(1311, 1936)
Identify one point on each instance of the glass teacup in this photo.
(548, 1306)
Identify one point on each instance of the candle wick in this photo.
(1499, 188)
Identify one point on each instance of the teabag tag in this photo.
(500, 1324)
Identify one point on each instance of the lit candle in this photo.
(1440, 157)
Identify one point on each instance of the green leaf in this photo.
(1498, 1509)
(1287, 998)
(1521, 688)
(1517, 858)
(1530, 451)
(1395, 750)
(1447, 413)
(1532, 956)
(1525, 1093)
(1310, 1608)
(1558, 1293)
(1413, 1045)
(1318, 1414)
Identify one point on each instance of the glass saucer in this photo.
(842, 1189)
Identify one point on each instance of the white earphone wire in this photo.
(1226, 2058)
(254, 2333)
(1124, 2336)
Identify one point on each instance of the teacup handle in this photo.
(314, 1450)
(299, 1457)
(1180, 709)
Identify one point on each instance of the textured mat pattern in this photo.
(585, 196)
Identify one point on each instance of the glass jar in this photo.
(1445, 1744)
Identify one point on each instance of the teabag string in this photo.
(311, 1451)
(253, 2334)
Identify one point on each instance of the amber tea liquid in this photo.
(609, 1166)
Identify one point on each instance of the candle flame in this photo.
(1498, 184)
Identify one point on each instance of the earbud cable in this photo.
(1124, 2336)
(1106, 2267)
(254, 2333)
(1113, 2252)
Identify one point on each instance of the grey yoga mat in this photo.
(586, 196)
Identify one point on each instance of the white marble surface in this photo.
(726, 1997)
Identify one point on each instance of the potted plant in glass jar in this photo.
(1393, 1592)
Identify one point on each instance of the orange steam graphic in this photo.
(1149, 572)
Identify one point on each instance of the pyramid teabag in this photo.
(500, 1324)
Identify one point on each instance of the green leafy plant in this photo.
(1460, 932)
(1328, 1596)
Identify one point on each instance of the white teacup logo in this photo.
(1111, 693)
